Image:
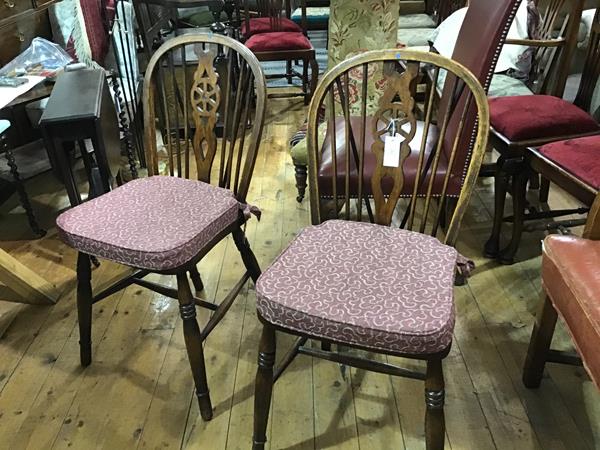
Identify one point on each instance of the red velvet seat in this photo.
(580, 157)
(526, 117)
(269, 25)
(278, 41)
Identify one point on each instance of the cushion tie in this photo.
(249, 210)
(464, 265)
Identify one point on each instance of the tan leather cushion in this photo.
(571, 278)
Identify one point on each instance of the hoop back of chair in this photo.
(591, 68)
(210, 94)
(342, 181)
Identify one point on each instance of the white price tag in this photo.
(391, 150)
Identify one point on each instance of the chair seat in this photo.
(409, 167)
(580, 157)
(365, 285)
(157, 223)
(522, 118)
(269, 25)
(278, 41)
(571, 278)
(416, 21)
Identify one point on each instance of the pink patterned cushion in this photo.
(363, 284)
(155, 223)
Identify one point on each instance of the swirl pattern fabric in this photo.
(363, 284)
(156, 223)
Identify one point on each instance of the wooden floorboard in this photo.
(138, 392)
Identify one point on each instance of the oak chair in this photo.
(571, 287)
(348, 283)
(519, 122)
(272, 36)
(194, 197)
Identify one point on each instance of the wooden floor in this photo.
(138, 391)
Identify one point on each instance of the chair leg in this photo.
(193, 344)
(301, 177)
(84, 308)
(263, 387)
(196, 279)
(544, 190)
(305, 78)
(314, 75)
(435, 427)
(247, 254)
(520, 178)
(288, 71)
(539, 345)
(492, 246)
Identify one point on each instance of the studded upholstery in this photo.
(156, 223)
(363, 284)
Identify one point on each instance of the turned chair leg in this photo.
(539, 345)
(193, 344)
(84, 308)
(243, 246)
(492, 246)
(301, 177)
(196, 279)
(435, 427)
(264, 386)
(288, 71)
(520, 178)
(314, 75)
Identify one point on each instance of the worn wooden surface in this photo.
(138, 392)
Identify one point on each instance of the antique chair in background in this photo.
(416, 30)
(571, 284)
(273, 36)
(368, 286)
(518, 122)
(167, 224)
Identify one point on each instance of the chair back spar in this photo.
(591, 68)
(209, 92)
(447, 139)
(274, 10)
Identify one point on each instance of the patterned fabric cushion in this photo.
(313, 14)
(581, 157)
(278, 41)
(155, 223)
(411, 37)
(522, 118)
(416, 21)
(363, 284)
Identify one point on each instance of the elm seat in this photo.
(269, 25)
(571, 278)
(278, 41)
(580, 156)
(521, 118)
(156, 223)
(363, 284)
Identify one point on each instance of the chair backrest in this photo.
(209, 91)
(274, 10)
(591, 68)
(441, 9)
(365, 168)
(155, 20)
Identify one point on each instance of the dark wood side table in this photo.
(22, 193)
(81, 108)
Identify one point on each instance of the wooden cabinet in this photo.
(20, 22)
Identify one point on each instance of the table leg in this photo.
(22, 193)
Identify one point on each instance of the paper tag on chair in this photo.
(391, 150)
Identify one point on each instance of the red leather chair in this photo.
(571, 283)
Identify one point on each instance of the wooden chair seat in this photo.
(121, 225)
(571, 279)
(364, 285)
(539, 117)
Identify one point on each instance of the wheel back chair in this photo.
(166, 224)
(273, 36)
(571, 289)
(519, 122)
(371, 286)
